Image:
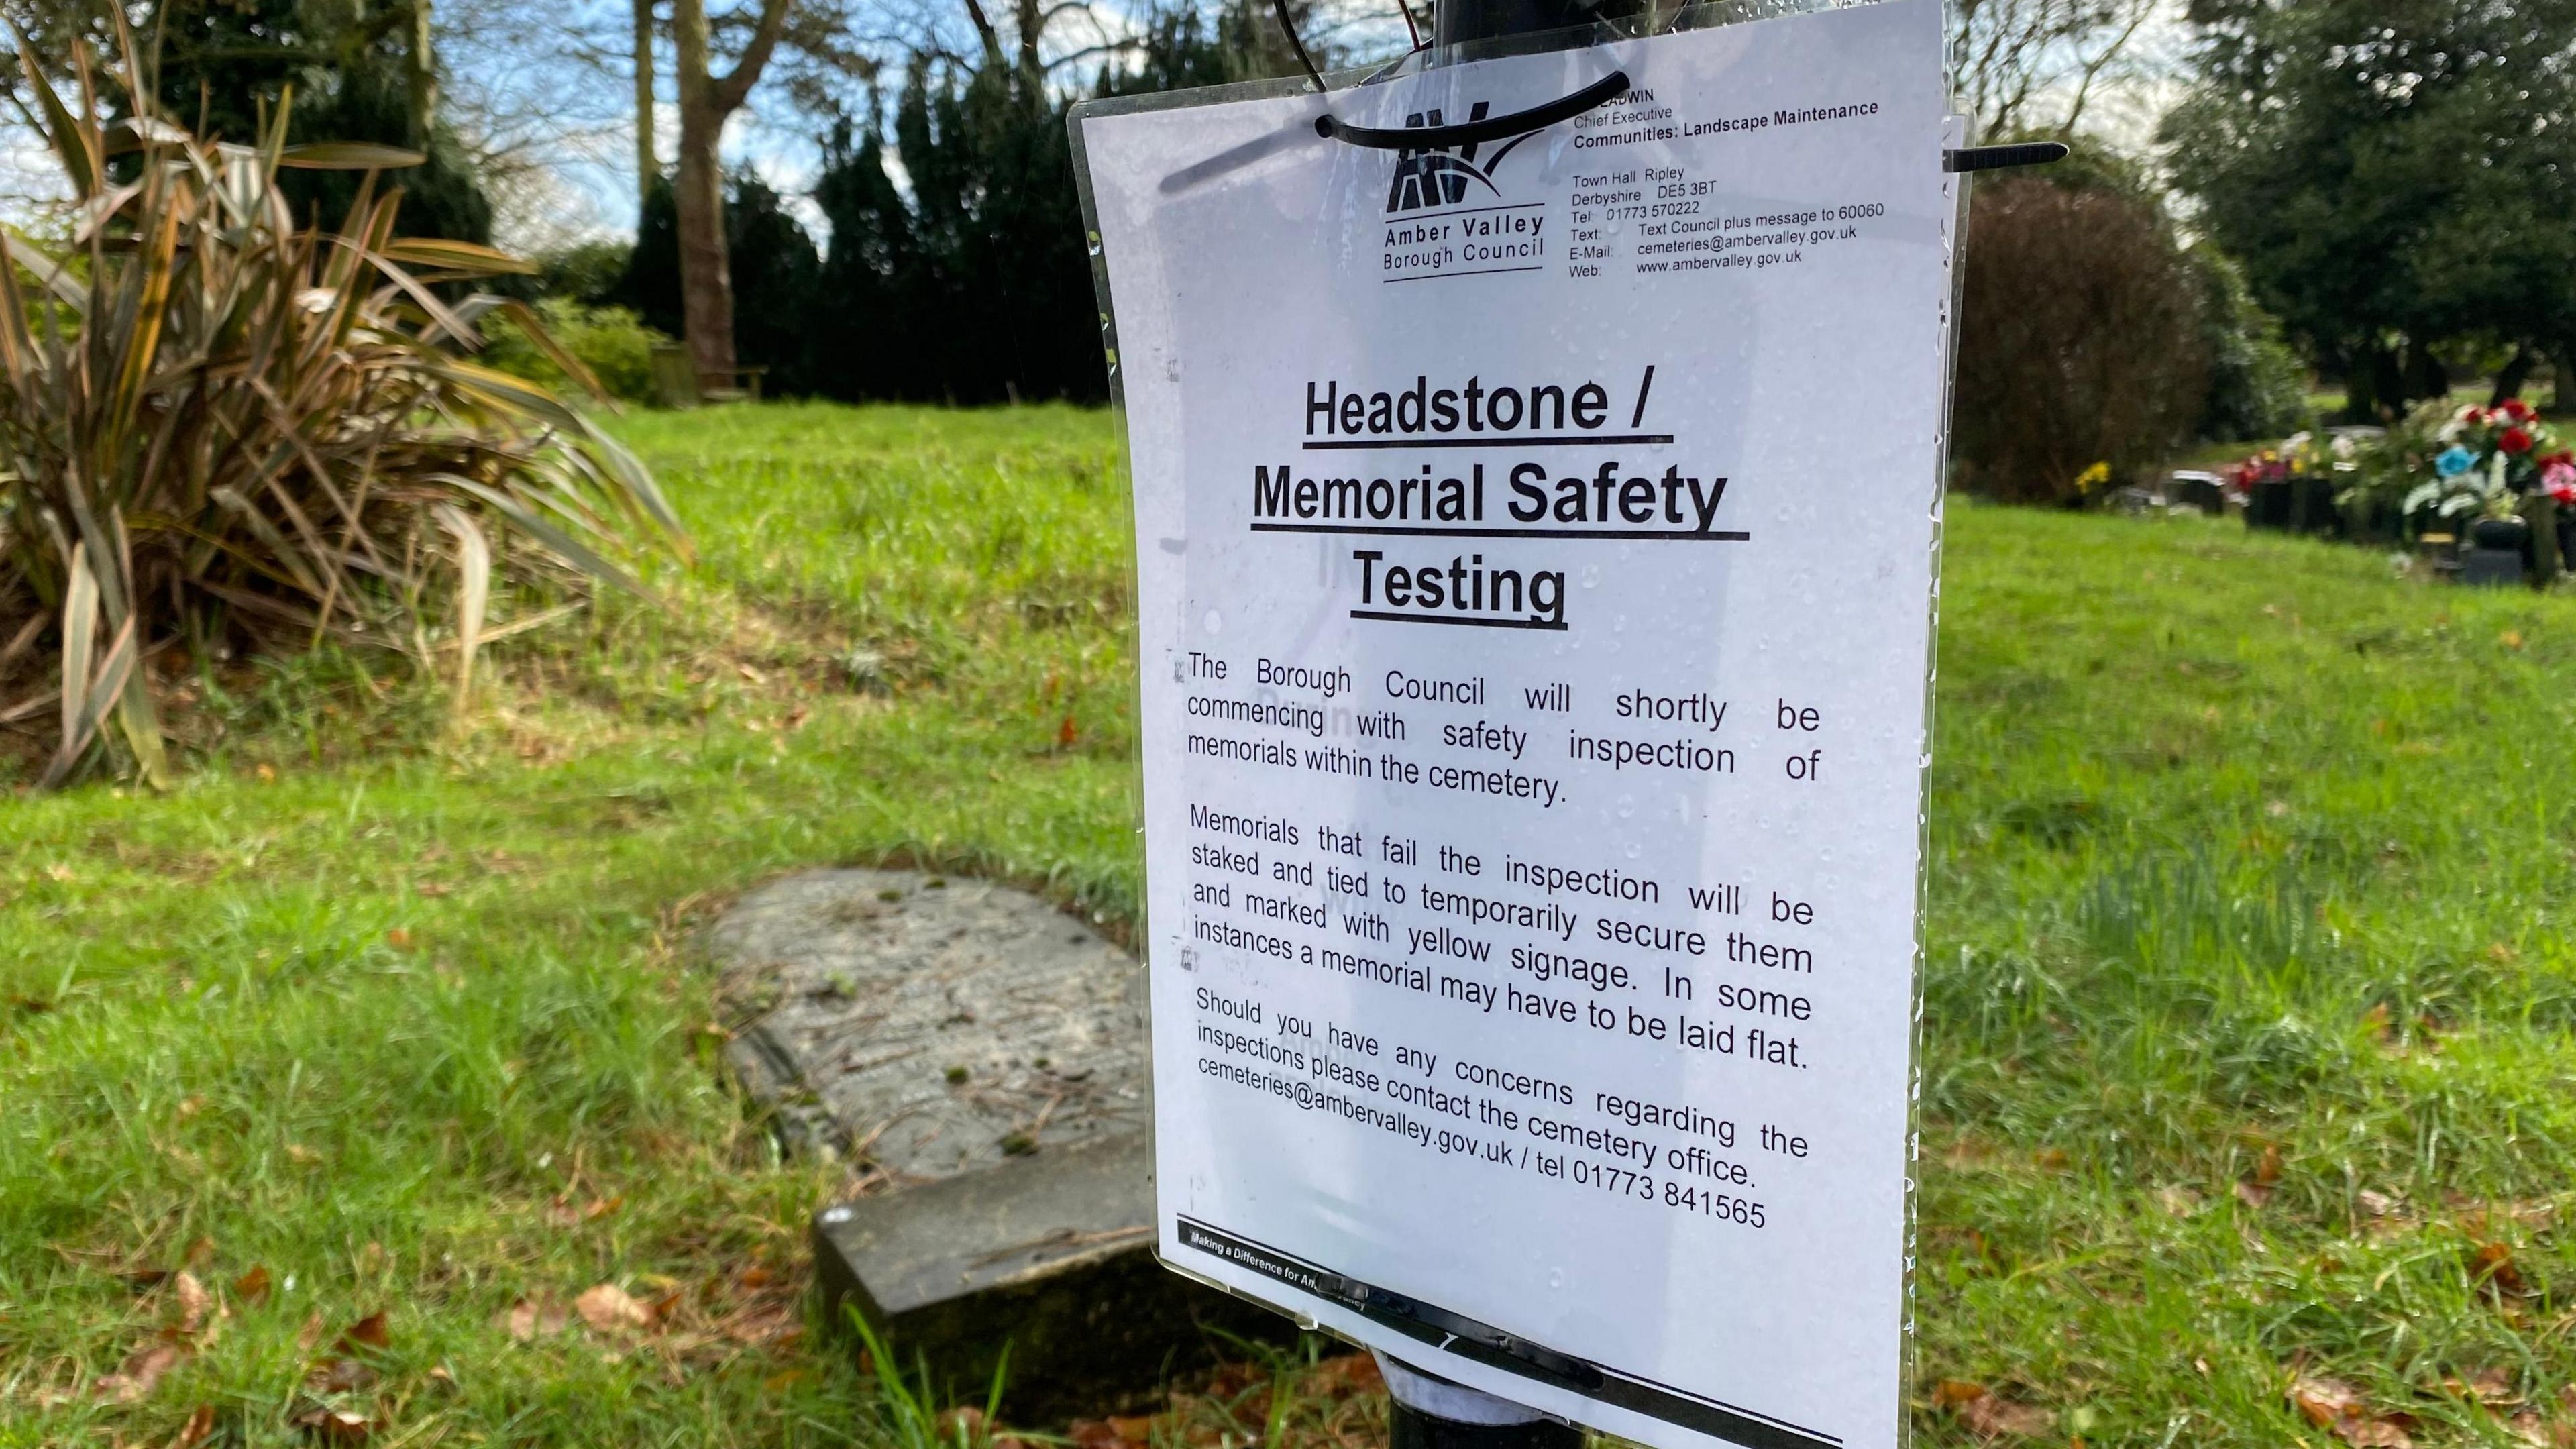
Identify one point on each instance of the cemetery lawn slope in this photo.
(2247, 995)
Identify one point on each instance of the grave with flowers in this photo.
(2486, 494)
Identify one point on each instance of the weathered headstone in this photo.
(982, 1055)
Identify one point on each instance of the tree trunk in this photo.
(2517, 371)
(706, 273)
(1032, 20)
(706, 269)
(422, 76)
(2370, 380)
(2426, 377)
(648, 161)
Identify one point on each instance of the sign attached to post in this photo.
(1537, 542)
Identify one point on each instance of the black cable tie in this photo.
(1995, 158)
(1493, 128)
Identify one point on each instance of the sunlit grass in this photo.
(2250, 867)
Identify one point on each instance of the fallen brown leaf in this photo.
(2493, 1263)
(199, 1428)
(2267, 1168)
(311, 1333)
(2179, 1202)
(368, 1332)
(1991, 1416)
(2337, 1407)
(335, 1426)
(2528, 1427)
(1950, 1392)
(1136, 1431)
(1092, 1434)
(338, 1375)
(2492, 1387)
(2253, 1195)
(195, 1303)
(141, 1370)
(611, 1309)
(2377, 1204)
(530, 1318)
(1351, 1373)
(2323, 1400)
(252, 1287)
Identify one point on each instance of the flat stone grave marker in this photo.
(983, 1056)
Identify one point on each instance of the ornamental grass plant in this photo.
(220, 430)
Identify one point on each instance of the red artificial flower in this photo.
(2563, 455)
(2516, 409)
(2514, 440)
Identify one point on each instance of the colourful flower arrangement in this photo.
(2493, 456)
(2267, 466)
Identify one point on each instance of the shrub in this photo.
(585, 271)
(2079, 340)
(216, 425)
(611, 341)
(2258, 387)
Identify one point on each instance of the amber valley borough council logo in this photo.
(1436, 176)
(1447, 216)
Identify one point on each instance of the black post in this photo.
(1420, 1406)
(1410, 1428)
(1453, 21)
(1408, 1425)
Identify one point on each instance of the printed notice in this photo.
(1536, 554)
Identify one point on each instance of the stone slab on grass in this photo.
(982, 1057)
(934, 1025)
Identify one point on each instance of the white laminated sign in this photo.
(1537, 539)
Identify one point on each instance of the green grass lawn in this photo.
(2248, 997)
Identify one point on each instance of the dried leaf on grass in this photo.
(252, 1287)
(196, 1304)
(367, 1332)
(531, 1318)
(335, 1426)
(2339, 1408)
(2491, 1264)
(338, 1374)
(1989, 1415)
(608, 1308)
(2253, 1194)
(140, 1373)
(2492, 1387)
